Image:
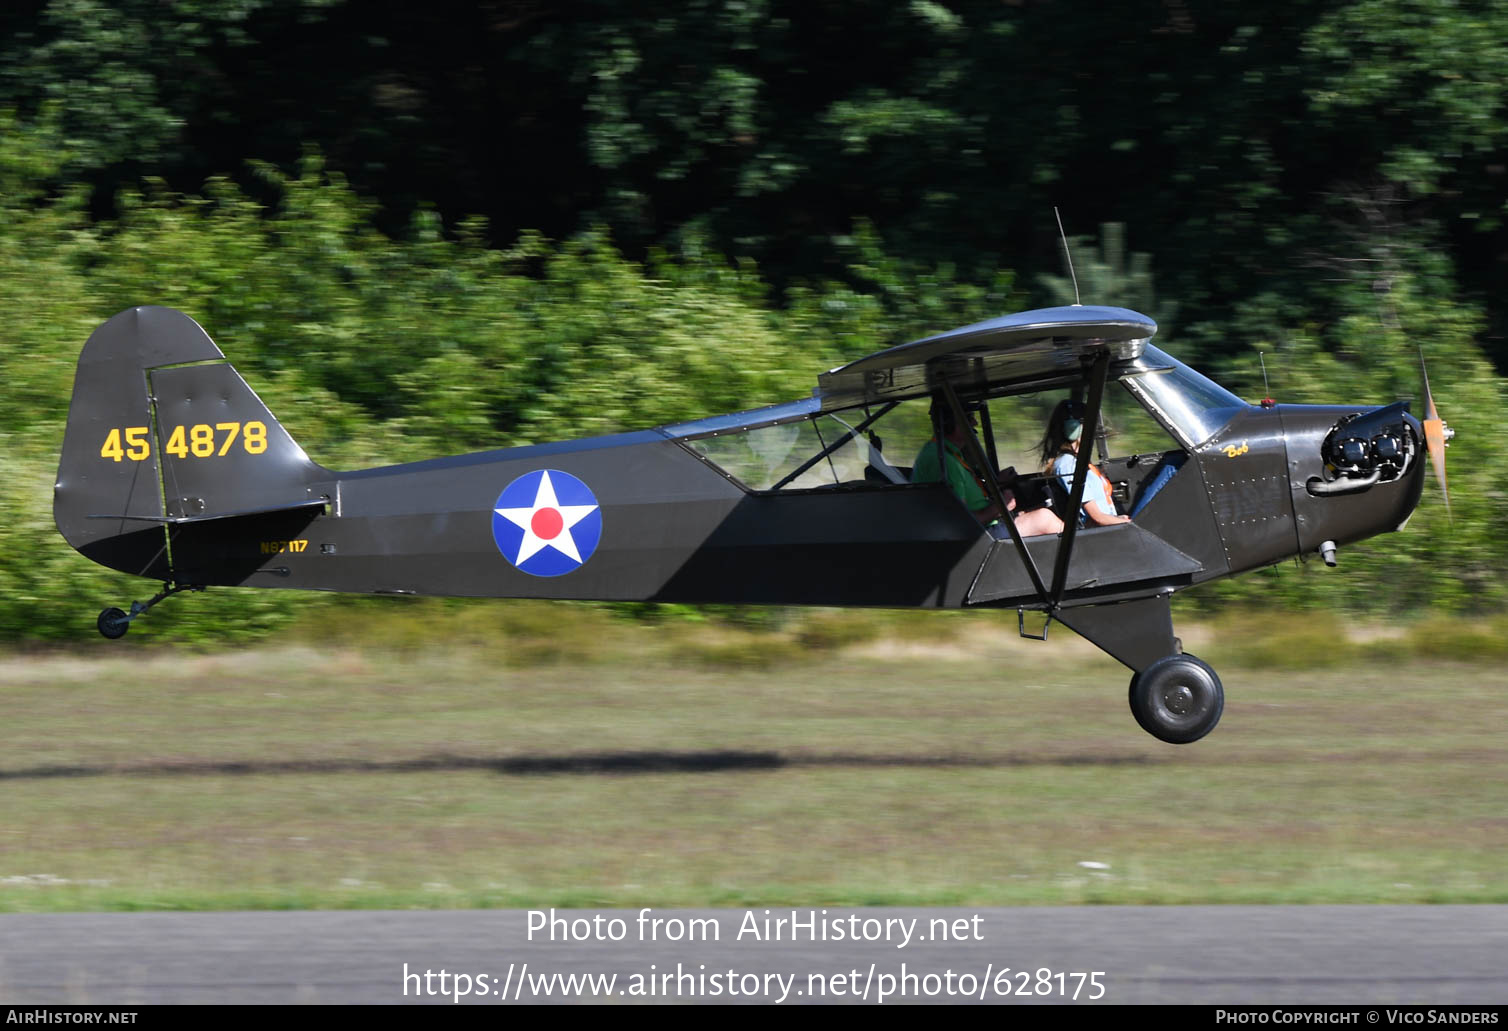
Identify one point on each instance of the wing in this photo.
(1027, 347)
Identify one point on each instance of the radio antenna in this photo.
(1069, 255)
(1267, 401)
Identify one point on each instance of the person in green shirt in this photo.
(967, 484)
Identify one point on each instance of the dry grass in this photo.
(950, 765)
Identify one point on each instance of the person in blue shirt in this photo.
(967, 483)
(1060, 450)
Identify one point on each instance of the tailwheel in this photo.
(113, 623)
(1177, 699)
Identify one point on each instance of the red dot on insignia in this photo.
(547, 524)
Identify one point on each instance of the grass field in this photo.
(956, 765)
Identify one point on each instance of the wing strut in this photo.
(992, 486)
(1097, 373)
(987, 430)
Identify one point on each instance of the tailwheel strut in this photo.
(113, 623)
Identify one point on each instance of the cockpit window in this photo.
(826, 451)
(1194, 406)
(798, 447)
(867, 446)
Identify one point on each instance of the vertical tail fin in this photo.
(163, 430)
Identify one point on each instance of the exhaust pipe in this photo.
(1327, 488)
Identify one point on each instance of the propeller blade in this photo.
(1436, 434)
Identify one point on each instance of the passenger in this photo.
(968, 485)
(1060, 449)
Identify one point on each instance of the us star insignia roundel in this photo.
(547, 523)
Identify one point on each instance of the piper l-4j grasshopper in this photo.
(173, 469)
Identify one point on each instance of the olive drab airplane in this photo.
(173, 469)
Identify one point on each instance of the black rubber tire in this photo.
(113, 623)
(1177, 699)
(1135, 678)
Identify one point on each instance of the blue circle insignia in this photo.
(547, 523)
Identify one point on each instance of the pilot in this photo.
(968, 484)
(1060, 449)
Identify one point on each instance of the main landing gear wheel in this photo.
(113, 623)
(1177, 699)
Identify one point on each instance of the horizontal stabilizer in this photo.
(312, 503)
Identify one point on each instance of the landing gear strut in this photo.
(1177, 699)
(113, 623)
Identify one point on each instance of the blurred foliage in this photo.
(427, 229)
(1105, 273)
(1224, 136)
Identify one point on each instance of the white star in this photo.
(561, 540)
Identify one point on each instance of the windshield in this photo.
(1193, 406)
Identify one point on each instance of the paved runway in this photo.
(1364, 955)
